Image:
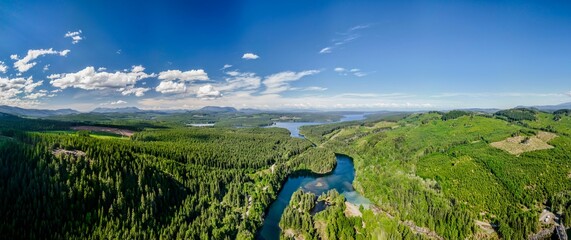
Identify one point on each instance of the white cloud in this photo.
(326, 50)
(240, 81)
(26, 63)
(233, 73)
(139, 92)
(250, 56)
(11, 91)
(279, 82)
(171, 87)
(348, 36)
(568, 93)
(46, 67)
(359, 27)
(208, 92)
(354, 71)
(191, 75)
(118, 102)
(89, 79)
(226, 66)
(75, 36)
(3, 67)
(137, 69)
(314, 88)
(35, 95)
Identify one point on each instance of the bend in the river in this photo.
(341, 179)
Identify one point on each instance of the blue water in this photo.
(340, 179)
(293, 127)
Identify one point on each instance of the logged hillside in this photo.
(438, 175)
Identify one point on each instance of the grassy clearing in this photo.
(99, 135)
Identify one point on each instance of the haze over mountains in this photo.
(212, 109)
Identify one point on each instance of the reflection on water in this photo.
(340, 179)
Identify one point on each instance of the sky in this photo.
(322, 55)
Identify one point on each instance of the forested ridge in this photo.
(190, 183)
(437, 171)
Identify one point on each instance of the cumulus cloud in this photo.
(226, 66)
(75, 36)
(279, 82)
(138, 92)
(171, 87)
(26, 62)
(191, 75)
(207, 92)
(3, 67)
(89, 79)
(250, 56)
(11, 91)
(35, 95)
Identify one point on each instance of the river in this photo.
(341, 179)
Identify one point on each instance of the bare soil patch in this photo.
(351, 210)
(59, 152)
(122, 132)
(520, 144)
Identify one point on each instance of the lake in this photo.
(293, 127)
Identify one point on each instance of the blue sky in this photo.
(285, 54)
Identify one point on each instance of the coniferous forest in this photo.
(430, 175)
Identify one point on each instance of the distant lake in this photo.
(340, 179)
(293, 127)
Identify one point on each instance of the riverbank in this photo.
(340, 179)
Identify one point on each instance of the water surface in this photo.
(293, 127)
(340, 179)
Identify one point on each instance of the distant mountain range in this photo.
(550, 107)
(35, 112)
(118, 110)
(217, 109)
(212, 109)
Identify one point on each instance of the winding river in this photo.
(341, 179)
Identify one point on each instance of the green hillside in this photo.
(441, 173)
